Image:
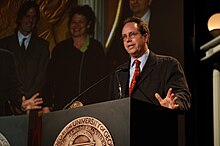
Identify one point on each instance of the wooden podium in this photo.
(15, 129)
(130, 122)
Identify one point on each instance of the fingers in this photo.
(169, 101)
(169, 92)
(36, 107)
(158, 97)
(176, 106)
(46, 110)
(174, 99)
(35, 95)
(23, 98)
(169, 95)
(38, 101)
(33, 102)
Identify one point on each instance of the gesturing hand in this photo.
(169, 101)
(32, 103)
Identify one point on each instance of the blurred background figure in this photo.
(76, 63)
(141, 9)
(11, 89)
(31, 56)
(51, 24)
(31, 52)
(12, 94)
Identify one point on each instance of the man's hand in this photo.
(169, 101)
(32, 103)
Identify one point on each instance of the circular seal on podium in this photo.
(3, 140)
(84, 131)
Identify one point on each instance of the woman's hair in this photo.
(86, 11)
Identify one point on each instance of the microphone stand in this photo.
(90, 87)
(77, 97)
(119, 85)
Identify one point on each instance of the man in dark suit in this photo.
(31, 55)
(31, 52)
(11, 90)
(161, 80)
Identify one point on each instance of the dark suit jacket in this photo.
(10, 87)
(158, 75)
(31, 64)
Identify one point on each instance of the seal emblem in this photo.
(84, 131)
(3, 141)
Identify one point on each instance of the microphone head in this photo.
(76, 104)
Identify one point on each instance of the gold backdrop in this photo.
(54, 17)
(52, 25)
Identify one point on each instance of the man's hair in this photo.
(24, 8)
(142, 25)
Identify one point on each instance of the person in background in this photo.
(11, 89)
(31, 56)
(141, 9)
(76, 64)
(159, 80)
(31, 52)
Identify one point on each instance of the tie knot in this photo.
(137, 62)
(23, 40)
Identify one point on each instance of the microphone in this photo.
(93, 85)
(119, 84)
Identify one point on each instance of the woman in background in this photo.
(76, 64)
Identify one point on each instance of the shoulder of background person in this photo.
(36, 37)
(96, 43)
(8, 38)
(62, 45)
(5, 52)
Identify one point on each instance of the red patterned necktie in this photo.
(135, 76)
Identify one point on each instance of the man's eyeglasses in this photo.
(130, 35)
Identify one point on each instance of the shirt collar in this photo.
(85, 45)
(142, 59)
(146, 17)
(21, 36)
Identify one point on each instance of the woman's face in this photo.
(78, 25)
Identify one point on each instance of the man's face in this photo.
(134, 42)
(139, 6)
(28, 22)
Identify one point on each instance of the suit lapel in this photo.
(147, 69)
(15, 43)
